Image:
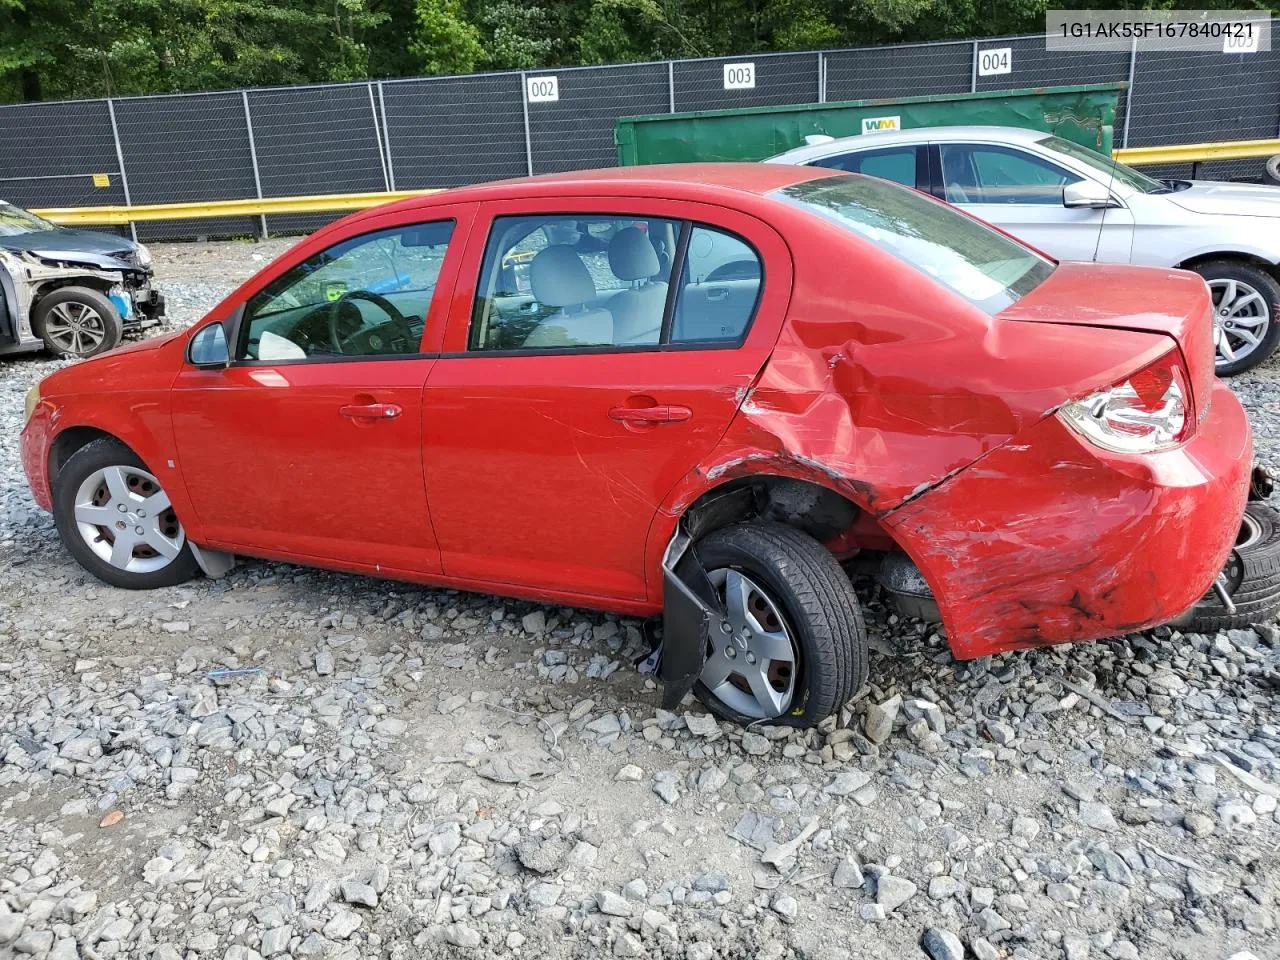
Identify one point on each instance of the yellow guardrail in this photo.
(345, 202)
(1198, 152)
(205, 209)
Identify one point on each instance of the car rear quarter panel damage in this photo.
(937, 421)
(1047, 541)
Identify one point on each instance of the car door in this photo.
(906, 164)
(308, 443)
(554, 432)
(1021, 192)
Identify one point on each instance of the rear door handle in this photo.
(661, 413)
(370, 411)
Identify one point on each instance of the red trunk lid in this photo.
(1151, 299)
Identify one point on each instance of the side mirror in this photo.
(208, 348)
(1089, 194)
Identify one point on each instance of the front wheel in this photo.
(797, 649)
(116, 519)
(77, 322)
(1245, 301)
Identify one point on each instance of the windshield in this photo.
(982, 265)
(1126, 175)
(15, 221)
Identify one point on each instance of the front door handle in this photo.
(370, 411)
(661, 413)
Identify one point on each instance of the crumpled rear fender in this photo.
(881, 421)
(1051, 540)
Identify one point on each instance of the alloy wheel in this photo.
(125, 517)
(76, 328)
(1241, 317)
(751, 664)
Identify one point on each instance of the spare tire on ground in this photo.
(1252, 574)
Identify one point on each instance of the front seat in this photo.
(637, 313)
(559, 278)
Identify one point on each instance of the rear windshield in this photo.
(985, 267)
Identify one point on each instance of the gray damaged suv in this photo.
(72, 292)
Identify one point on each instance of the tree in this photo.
(444, 40)
(517, 36)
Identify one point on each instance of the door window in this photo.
(719, 288)
(556, 282)
(367, 296)
(981, 173)
(892, 163)
(562, 282)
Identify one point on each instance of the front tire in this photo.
(77, 322)
(1246, 300)
(116, 519)
(798, 650)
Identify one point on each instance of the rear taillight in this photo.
(1147, 411)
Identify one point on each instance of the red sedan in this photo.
(690, 391)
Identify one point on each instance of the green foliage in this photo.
(87, 48)
(443, 38)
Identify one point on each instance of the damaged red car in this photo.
(689, 391)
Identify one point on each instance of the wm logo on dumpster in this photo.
(878, 124)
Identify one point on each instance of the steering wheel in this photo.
(395, 317)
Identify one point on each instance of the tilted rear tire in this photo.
(794, 588)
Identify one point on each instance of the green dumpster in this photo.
(1085, 114)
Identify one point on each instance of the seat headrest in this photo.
(632, 256)
(559, 278)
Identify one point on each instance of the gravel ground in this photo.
(291, 762)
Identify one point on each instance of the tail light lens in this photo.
(1141, 414)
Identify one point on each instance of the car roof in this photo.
(915, 135)
(677, 181)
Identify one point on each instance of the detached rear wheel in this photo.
(77, 322)
(1245, 301)
(1252, 574)
(797, 648)
(116, 519)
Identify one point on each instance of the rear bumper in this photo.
(1051, 540)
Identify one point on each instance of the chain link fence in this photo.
(449, 131)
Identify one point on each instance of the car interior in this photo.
(365, 297)
(574, 283)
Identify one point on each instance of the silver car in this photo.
(1075, 204)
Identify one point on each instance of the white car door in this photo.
(1022, 193)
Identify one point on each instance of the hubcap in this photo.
(76, 328)
(1241, 317)
(751, 663)
(124, 517)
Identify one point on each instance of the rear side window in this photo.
(897, 164)
(720, 287)
(569, 282)
(984, 266)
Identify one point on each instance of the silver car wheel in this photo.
(76, 328)
(751, 669)
(125, 518)
(1241, 317)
